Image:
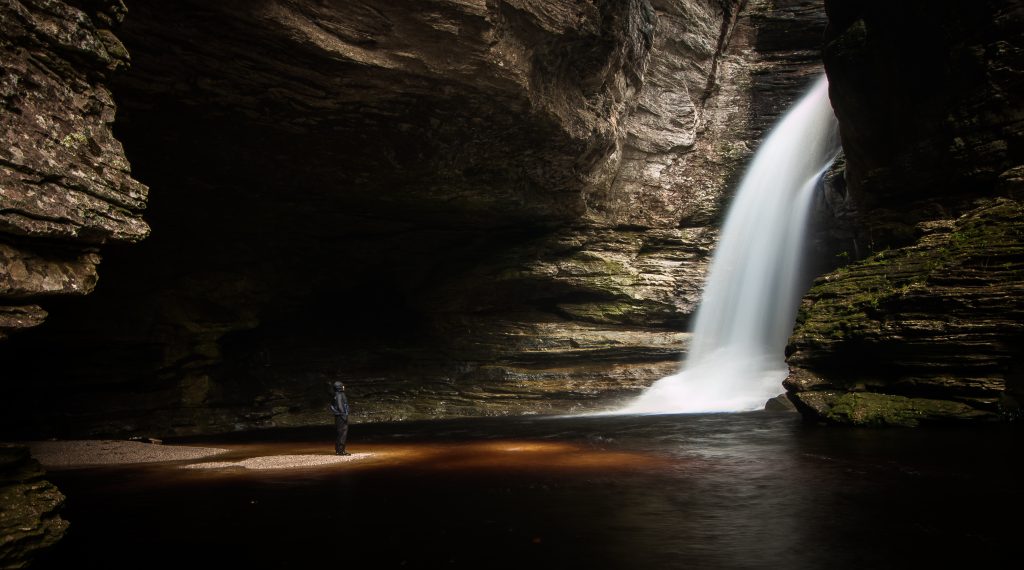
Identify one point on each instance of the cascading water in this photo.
(736, 361)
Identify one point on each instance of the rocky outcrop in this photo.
(927, 327)
(939, 320)
(29, 504)
(65, 185)
(476, 208)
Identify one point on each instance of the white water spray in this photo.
(736, 361)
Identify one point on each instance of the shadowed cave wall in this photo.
(518, 222)
(501, 208)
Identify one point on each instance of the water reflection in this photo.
(713, 491)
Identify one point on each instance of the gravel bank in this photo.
(281, 461)
(83, 453)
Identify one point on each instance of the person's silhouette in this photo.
(339, 406)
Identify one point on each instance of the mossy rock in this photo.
(871, 409)
(978, 254)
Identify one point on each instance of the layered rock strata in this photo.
(927, 327)
(476, 208)
(65, 184)
(29, 505)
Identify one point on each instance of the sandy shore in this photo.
(90, 453)
(83, 453)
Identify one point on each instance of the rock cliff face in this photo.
(467, 208)
(65, 185)
(927, 327)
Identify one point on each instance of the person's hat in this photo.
(339, 386)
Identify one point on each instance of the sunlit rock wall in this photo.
(928, 325)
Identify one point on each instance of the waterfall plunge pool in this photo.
(752, 490)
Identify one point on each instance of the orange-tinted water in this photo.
(714, 491)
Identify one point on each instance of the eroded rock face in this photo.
(29, 505)
(928, 326)
(65, 185)
(719, 76)
(472, 208)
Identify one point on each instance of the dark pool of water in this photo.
(700, 491)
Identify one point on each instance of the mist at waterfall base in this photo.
(736, 356)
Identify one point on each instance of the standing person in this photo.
(339, 406)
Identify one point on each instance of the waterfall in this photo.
(736, 359)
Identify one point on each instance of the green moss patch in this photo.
(870, 409)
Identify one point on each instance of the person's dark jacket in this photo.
(340, 405)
